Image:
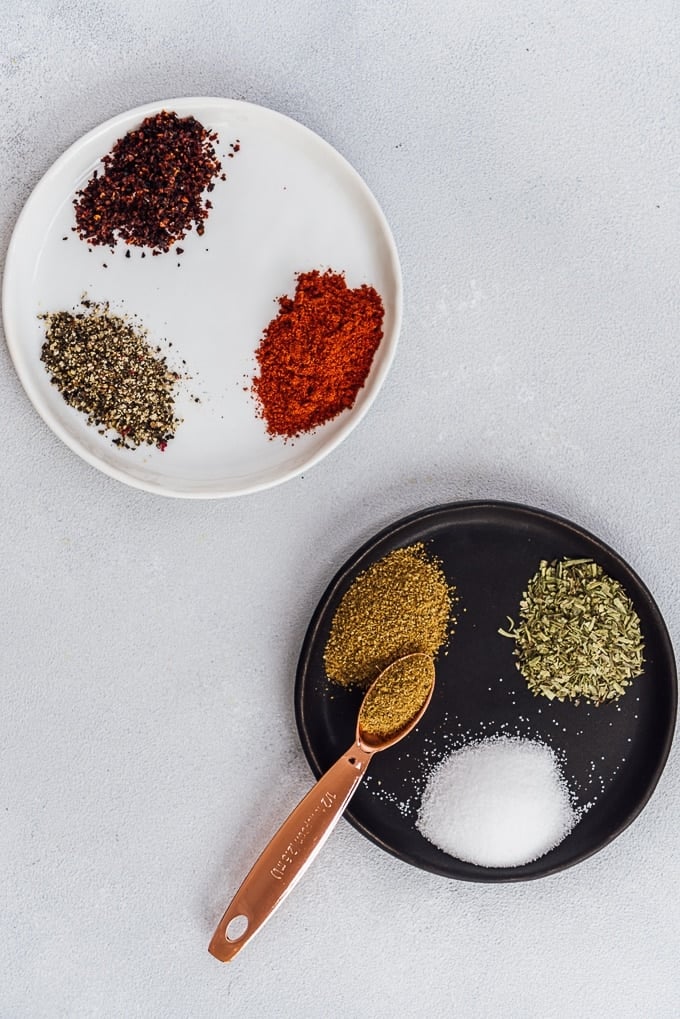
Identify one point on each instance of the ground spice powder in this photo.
(106, 368)
(395, 698)
(401, 605)
(314, 357)
(150, 193)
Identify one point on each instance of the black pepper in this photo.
(104, 367)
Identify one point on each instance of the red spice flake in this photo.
(315, 355)
(150, 193)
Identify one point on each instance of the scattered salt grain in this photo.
(499, 802)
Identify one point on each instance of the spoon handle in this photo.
(285, 859)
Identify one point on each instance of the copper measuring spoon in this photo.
(299, 839)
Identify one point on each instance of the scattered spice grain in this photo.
(150, 193)
(104, 367)
(578, 634)
(400, 605)
(314, 357)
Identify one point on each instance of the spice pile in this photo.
(396, 697)
(314, 357)
(106, 368)
(578, 634)
(497, 803)
(151, 191)
(400, 605)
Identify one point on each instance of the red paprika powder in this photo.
(315, 355)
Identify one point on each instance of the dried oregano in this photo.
(578, 635)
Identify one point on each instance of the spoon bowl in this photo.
(399, 697)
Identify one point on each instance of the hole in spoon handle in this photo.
(230, 934)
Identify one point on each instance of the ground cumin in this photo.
(396, 697)
(400, 605)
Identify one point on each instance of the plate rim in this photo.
(350, 565)
(12, 328)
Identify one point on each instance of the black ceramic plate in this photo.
(612, 755)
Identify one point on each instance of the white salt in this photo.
(499, 802)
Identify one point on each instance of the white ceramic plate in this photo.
(290, 204)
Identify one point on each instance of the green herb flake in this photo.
(578, 635)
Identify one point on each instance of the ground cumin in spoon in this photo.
(395, 698)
